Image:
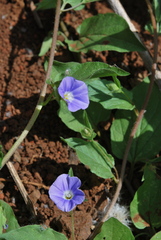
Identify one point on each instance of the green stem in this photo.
(141, 234)
(71, 8)
(72, 222)
(49, 99)
(107, 160)
(129, 99)
(86, 120)
(43, 91)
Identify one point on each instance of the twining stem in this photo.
(140, 116)
(136, 124)
(43, 91)
(72, 222)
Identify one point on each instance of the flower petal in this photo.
(69, 205)
(77, 84)
(77, 104)
(55, 192)
(79, 196)
(60, 204)
(73, 182)
(79, 91)
(61, 182)
(66, 85)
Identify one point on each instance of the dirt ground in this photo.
(43, 156)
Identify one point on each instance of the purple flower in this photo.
(65, 194)
(75, 93)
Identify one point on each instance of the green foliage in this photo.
(75, 120)
(1, 154)
(109, 95)
(73, 3)
(83, 71)
(70, 173)
(87, 1)
(157, 236)
(103, 94)
(49, 4)
(46, 4)
(93, 155)
(112, 229)
(7, 217)
(146, 141)
(157, 9)
(105, 32)
(157, 12)
(145, 207)
(3, 220)
(32, 232)
(46, 45)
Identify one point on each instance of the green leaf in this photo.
(146, 143)
(149, 28)
(46, 4)
(46, 44)
(93, 155)
(1, 154)
(75, 121)
(157, 236)
(114, 230)
(96, 113)
(70, 173)
(87, 1)
(73, 3)
(155, 160)
(32, 232)
(3, 220)
(157, 9)
(108, 32)
(109, 95)
(61, 70)
(90, 70)
(8, 216)
(83, 71)
(145, 207)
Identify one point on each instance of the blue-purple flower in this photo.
(65, 192)
(75, 93)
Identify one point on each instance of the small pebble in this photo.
(13, 200)
(1, 185)
(8, 102)
(8, 114)
(4, 16)
(46, 206)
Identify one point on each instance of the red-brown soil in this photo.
(43, 156)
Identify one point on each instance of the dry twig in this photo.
(21, 187)
(35, 14)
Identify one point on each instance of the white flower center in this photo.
(68, 96)
(68, 195)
